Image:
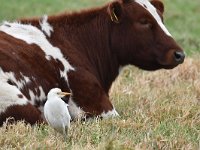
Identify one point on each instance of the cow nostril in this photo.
(179, 56)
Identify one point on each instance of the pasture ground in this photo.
(158, 110)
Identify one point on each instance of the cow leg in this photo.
(88, 95)
(13, 104)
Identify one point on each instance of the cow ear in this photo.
(158, 5)
(115, 11)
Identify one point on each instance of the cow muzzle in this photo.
(172, 59)
(179, 57)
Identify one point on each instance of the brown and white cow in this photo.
(80, 53)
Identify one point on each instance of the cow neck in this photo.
(89, 33)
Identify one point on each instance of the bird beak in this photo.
(64, 94)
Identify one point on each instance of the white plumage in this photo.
(56, 111)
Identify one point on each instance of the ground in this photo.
(158, 110)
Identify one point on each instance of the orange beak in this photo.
(62, 94)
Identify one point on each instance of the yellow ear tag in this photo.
(115, 19)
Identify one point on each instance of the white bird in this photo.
(56, 111)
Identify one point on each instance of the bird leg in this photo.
(64, 132)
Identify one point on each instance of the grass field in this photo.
(158, 110)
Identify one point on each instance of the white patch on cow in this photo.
(9, 94)
(27, 80)
(110, 114)
(32, 35)
(34, 97)
(42, 95)
(75, 111)
(11, 76)
(120, 69)
(154, 13)
(45, 26)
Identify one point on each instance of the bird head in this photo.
(56, 92)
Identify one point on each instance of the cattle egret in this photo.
(56, 111)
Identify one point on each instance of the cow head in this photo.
(139, 36)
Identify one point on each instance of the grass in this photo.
(158, 110)
(182, 19)
(23, 8)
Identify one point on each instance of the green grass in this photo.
(159, 110)
(182, 19)
(13, 9)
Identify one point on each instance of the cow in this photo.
(80, 53)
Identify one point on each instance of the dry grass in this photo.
(159, 110)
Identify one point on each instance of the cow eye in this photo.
(145, 22)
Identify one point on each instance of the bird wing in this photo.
(46, 113)
(50, 114)
(56, 113)
(66, 115)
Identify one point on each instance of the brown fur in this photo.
(28, 113)
(96, 46)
